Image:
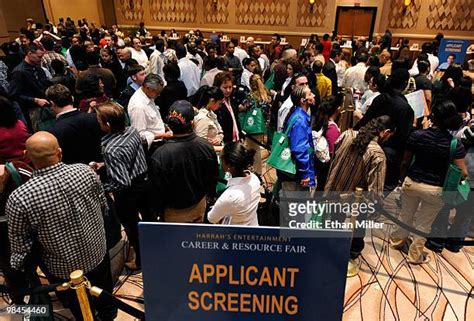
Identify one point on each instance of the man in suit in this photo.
(137, 74)
(124, 54)
(329, 69)
(78, 133)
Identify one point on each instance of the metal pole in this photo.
(79, 284)
(353, 266)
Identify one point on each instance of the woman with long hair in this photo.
(206, 124)
(359, 161)
(249, 69)
(261, 98)
(90, 89)
(109, 60)
(293, 67)
(450, 80)
(325, 127)
(239, 203)
(424, 168)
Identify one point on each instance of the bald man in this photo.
(61, 208)
(386, 60)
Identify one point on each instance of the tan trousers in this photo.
(257, 162)
(193, 214)
(420, 205)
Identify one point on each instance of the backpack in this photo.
(321, 146)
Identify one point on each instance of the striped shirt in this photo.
(124, 159)
(61, 207)
(349, 170)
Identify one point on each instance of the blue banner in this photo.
(452, 46)
(222, 273)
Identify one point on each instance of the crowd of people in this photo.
(94, 118)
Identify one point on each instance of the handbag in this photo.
(47, 119)
(455, 188)
(321, 146)
(252, 120)
(280, 157)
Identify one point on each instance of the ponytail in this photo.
(238, 156)
(204, 94)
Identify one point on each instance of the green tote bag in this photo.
(280, 157)
(455, 189)
(252, 120)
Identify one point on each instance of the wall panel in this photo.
(422, 19)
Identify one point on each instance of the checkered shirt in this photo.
(61, 208)
(48, 57)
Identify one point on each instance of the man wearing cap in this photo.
(184, 170)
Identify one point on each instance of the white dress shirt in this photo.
(145, 116)
(198, 58)
(157, 62)
(354, 77)
(240, 53)
(190, 75)
(434, 62)
(239, 202)
(366, 104)
(140, 57)
(283, 112)
(245, 79)
(208, 78)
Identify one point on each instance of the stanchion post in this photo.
(79, 284)
(353, 266)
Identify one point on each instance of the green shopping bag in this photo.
(270, 83)
(455, 189)
(223, 176)
(280, 157)
(47, 119)
(252, 120)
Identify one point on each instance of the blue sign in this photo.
(452, 46)
(222, 273)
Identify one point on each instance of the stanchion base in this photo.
(352, 268)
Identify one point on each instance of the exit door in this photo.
(355, 21)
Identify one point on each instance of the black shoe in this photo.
(453, 247)
(435, 245)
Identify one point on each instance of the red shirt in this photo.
(12, 142)
(327, 45)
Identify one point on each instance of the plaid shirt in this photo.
(61, 208)
(48, 57)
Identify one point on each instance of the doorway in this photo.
(355, 21)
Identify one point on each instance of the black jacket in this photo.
(395, 105)
(182, 172)
(122, 76)
(125, 96)
(79, 137)
(173, 91)
(329, 70)
(28, 82)
(225, 120)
